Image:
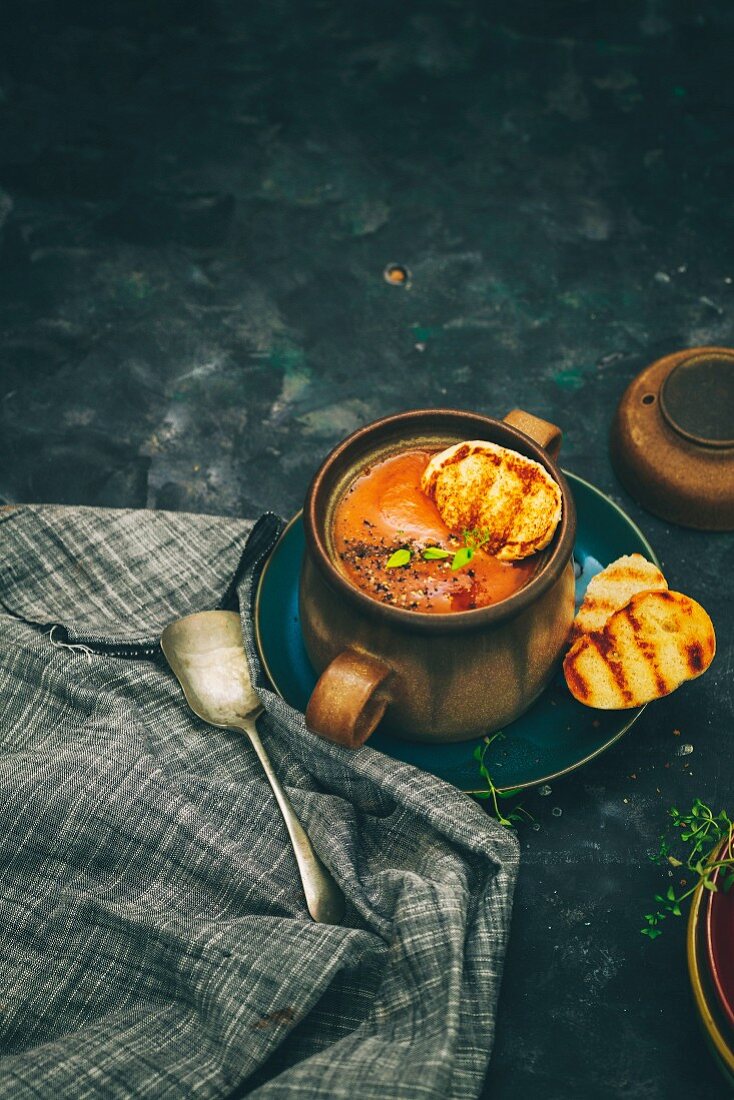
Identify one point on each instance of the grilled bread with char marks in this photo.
(613, 588)
(645, 650)
(510, 500)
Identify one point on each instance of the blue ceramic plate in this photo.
(555, 736)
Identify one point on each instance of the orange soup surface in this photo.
(385, 510)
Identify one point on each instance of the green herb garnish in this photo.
(476, 537)
(701, 833)
(517, 814)
(400, 557)
(473, 539)
(462, 557)
(433, 553)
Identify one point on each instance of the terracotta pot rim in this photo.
(559, 553)
(718, 976)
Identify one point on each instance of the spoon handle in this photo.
(324, 899)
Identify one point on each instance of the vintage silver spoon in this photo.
(206, 655)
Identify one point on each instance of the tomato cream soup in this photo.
(384, 511)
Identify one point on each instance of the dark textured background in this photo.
(197, 202)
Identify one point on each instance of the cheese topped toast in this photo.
(645, 650)
(613, 588)
(511, 501)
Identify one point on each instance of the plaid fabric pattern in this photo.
(154, 940)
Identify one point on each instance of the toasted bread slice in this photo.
(613, 588)
(511, 502)
(645, 650)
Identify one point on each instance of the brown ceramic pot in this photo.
(672, 438)
(429, 677)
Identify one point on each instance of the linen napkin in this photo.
(154, 938)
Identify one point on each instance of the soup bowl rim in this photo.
(558, 553)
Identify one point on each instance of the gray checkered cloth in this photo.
(154, 936)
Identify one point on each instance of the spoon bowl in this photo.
(205, 654)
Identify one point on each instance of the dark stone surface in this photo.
(197, 203)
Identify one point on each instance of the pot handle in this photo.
(349, 699)
(542, 431)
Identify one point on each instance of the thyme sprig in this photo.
(702, 833)
(517, 814)
(475, 537)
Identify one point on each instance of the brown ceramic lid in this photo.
(672, 441)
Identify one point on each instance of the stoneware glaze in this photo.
(672, 439)
(429, 677)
